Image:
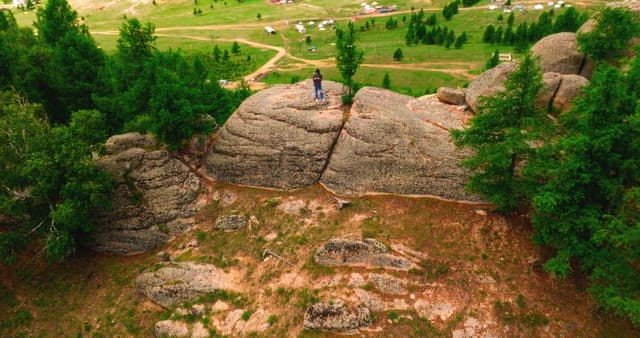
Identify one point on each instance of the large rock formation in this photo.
(394, 143)
(559, 53)
(569, 89)
(174, 283)
(154, 197)
(488, 83)
(278, 138)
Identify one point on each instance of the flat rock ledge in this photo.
(169, 284)
(336, 317)
(278, 138)
(154, 198)
(367, 252)
(398, 144)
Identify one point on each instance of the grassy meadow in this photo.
(422, 68)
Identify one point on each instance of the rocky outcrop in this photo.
(119, 143)
(367, 252)
(278, 138)
(569, 89)
(488, 83)
(388, 284)
(173, 283)
(398, 144)
(154, 198)
(451, 96)
(336, 317)
(559, 53)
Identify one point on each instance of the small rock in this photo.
(199, 331)
(370, 300)
(399, 304)
(342, 203)
(231, 222)
(163, 256)
(181, 311)
(480, 212)
(171, 328)
(233, 322)
(485, 279)
(336, 317)
(349, 252)
(294, 207)
(228, 198)
(451, 96)
(219, 306)
(198, 310)
(388, 284)
(271, 236)
(192, 243)
(356, 280)
(254, 220)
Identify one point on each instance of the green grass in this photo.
(429, 67)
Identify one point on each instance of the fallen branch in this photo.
(269, 252)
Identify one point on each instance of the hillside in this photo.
(478, 269)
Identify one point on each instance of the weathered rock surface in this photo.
(234, 324)
(488, 83)
(171, 328)
(388, 284)
(550, 84)
(336, 317)
(369, 300)
(278, 138)
(231, 222)
(569, 90)
(451, 96)
(199, 331)
(368, 252)
(119, 143)
(174, 283)
(559, 53)
(394, 143)
(154, 198)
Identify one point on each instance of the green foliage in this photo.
(501, 136)
(613, 30)
(398, 55)
(587, 208)
(386, 81)
(55, 20)
(493, 61)
(52, 184)
(349, 57)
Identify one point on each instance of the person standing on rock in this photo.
(317, 85)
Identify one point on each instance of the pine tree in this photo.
(349, 57)
(386, 81)
(502, 135)
(398, 55)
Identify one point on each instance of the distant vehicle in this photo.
(223, 83)
(312, 49)
(269, 30)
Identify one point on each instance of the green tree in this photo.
(487, 37)
(51, 185)
(307, 40)
(588, 207)
(386, 81)
(511, 19)
(55, 20)
(398, 55)
(217, 53)
(349, 57)
(502, 135)
(613, 30)
(493, 61)
(235, 48)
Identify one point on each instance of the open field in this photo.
(178, 28)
